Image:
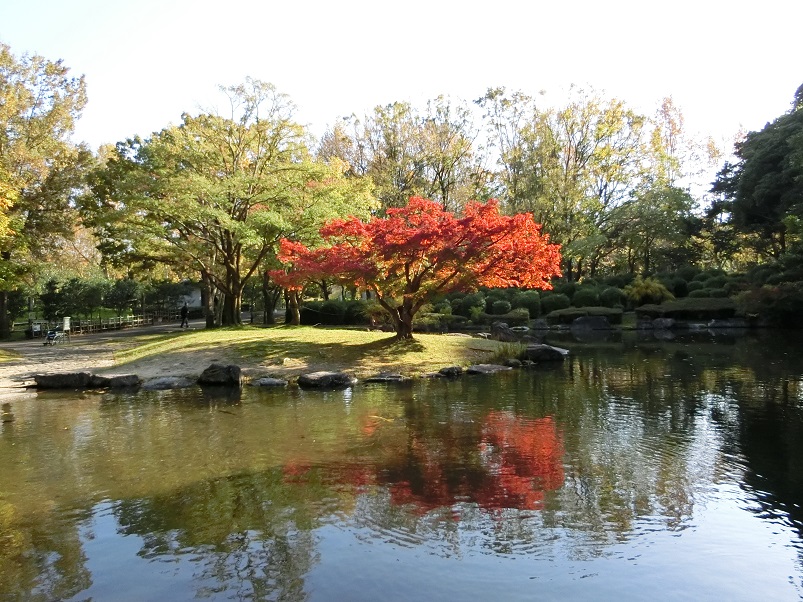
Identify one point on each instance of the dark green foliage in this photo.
(500, 307)
(586, 296)
(694, 285)
(565, 288)
(530, 300)
(515, 317)
(701, 293)
(619, 280)
(715, 282)
(778, 305)
(124, 295)
(335, 312)
(718, 293)
(679, 288)
(436, 322)
(569, 315)
(554, 302)
(690, 309)
(469, 305)
(687, 272)
(612, 297)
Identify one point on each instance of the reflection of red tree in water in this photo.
(524, 458)
(509, 462)
(519, 459)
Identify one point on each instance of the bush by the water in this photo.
(530, 300)
(612, 297)
(690, 309)
(780, 305)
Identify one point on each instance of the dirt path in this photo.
(83, 353)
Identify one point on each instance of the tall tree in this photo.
(765, 185)
(215, 194)
(420, 251)
(40, 169)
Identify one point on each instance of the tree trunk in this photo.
(207, 299)
(270, 296)
(293, 307)
(231, 311)
(402, 320)
(5, 321)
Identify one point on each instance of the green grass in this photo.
(294, 349)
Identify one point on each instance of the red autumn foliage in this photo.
(420, 251)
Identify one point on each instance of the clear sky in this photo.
(727, 64)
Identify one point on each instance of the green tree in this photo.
(765, 184)
(40, 169)
(215, 194)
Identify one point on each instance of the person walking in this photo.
(184, 314)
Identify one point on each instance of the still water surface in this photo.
(637, 469)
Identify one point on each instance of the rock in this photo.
(729, 323)
(539, 324)
(502, 332)
(512, 363)
(451, 371)
(115, 382)
(387, 377)
(643, 324)
(269, 382)
(663, 323)
(545, 353)
(326, 380)
(221, 375)
(487, 369)
(167, 382)
(68, 380)
(520, 328)
(591, 323)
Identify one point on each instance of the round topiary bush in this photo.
(612, 297)
(700, 293)
(530, 300)
(500, 307)
(586, 297)
(553, 302)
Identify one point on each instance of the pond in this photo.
(637, 469)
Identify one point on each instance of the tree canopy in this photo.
(421, 250)
(40, 168)
(764, 187)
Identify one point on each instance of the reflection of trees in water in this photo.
(248, 535)
(43, 560)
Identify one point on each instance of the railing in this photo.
(39, 328)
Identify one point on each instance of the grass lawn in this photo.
(291, 350)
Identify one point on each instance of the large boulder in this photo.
(451, 371)
(502, 332)
(66, 380)
(545, 353)
(167, 382)
(326, 380)
(227, 375)
(127, 381)
(591, 323)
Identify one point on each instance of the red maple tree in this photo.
(421, 250)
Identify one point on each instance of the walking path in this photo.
(83, 353)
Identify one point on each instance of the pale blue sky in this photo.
(726, 64)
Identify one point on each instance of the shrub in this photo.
(612, 297)
(586, 297)
(690, 309)
(553, 302)
(565, 288)
(619, 281)
(779, 305)
(357, 312)
(687, 272)
(515, 317)
(715, 282)
(647, 290)
(470, 303)
(701, 293)
(694, 285)
(680, 288)
(717, 293)
(444, 307)
(501, 307)
(530, 300)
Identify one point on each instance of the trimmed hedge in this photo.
(570, 314)
(690, 308)
(550, 303)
